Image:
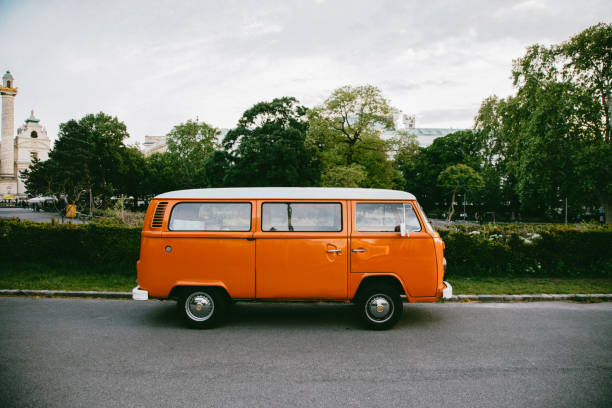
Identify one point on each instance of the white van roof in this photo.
(307, 193)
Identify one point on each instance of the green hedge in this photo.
(506, 250)
(56, 243)
(523, 250)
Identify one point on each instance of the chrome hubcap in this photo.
(379, 308)
(199, 306)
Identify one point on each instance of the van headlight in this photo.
(444, 262)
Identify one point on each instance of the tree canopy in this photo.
(268, 147)
(189, 145)
(89, 155)
(552, 139)
(346, 130)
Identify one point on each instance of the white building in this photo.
(159, 144)
(407, 124)
(154, 144)
(17, 151)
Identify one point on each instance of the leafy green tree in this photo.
(189, 145)
(346, 129)
(39, 178)
(130, 174)
(160, 174)
(587, 61)
(547, 136)
(459, 177)
(352, 175)
(216, 168)
(422, 167)
(588, 64)
(268, 147)
(85, 158)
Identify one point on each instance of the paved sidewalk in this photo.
(456, 298)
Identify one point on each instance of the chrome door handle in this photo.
(358, 250)
(332, 251)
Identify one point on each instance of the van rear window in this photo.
(385, 217)
(301, 217)
(210, 217)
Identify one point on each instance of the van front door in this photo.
(301, 250)
(378, 247)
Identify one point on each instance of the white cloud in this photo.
(156, 64)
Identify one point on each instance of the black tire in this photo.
(380, 306)
(202, 308)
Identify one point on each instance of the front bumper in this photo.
(139, 294)
(447, 292)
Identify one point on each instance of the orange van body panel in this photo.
(288, 265)
(297, 265)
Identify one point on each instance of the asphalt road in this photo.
(117, 353)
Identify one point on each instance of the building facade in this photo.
(18, 150)
(407, 124)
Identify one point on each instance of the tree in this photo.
(344, 176)
(85, 158)
(588, 64)
(587, 61)
(189, 145)
(547, 135)
(268, 147)
(131, 174)
(422, 167)
(459, 177)
(346, 129)
(39, 177)
(160, 174)
(216, 168)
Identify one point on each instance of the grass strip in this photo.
(113, 278)
(122, 278)
(528, 285)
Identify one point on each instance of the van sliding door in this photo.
(302, 250)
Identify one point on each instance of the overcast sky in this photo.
(155, 64)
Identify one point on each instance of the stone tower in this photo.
(7, 149)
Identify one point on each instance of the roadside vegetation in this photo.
(508, 259)
(67, 276)
(482, 285)
(122, 278)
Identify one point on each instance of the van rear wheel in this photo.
(380, 307)
(202, 308)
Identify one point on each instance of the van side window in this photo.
(301, 217)
(385, 217)
(211, 217)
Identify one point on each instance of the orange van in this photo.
(210, 247)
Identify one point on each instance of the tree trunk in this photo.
(607, 205)
(452, 209)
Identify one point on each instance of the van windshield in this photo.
(385, 217)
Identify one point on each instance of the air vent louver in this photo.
(158, 217)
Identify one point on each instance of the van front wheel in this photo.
(202, 308)
(380, 307)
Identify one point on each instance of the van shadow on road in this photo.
(292, 315)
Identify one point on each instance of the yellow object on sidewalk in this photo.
(70, 210)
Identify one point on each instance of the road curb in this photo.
(456, 298)
(529, 298)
